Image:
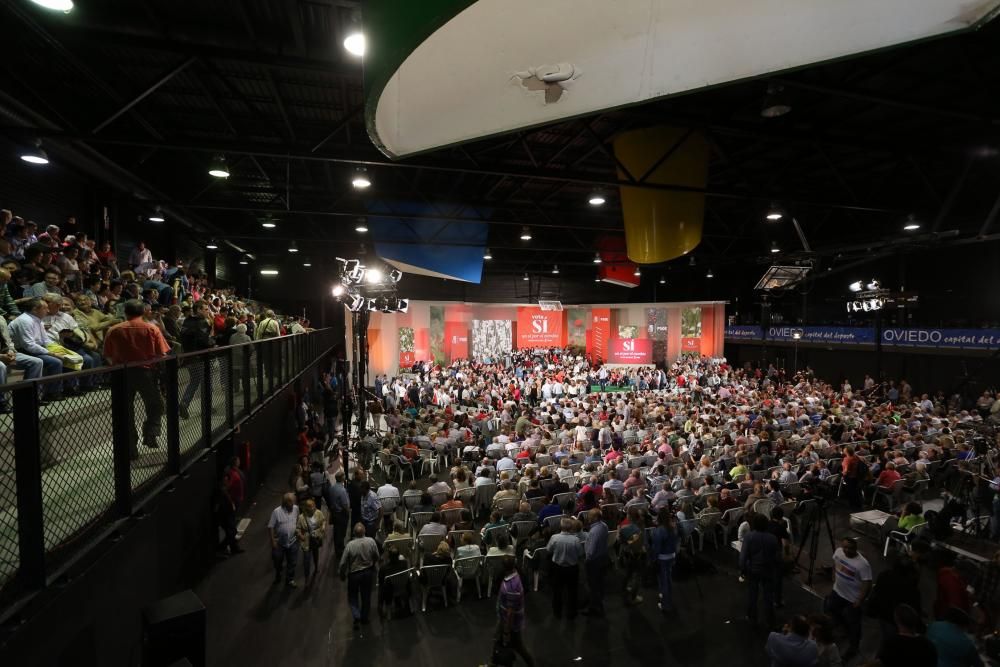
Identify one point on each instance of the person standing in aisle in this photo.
(566, 551)
(851, 584)
(283, 526)
(596, 564)
(510, 614)
(759, 559)
(358, 565)
(664, 551)
(339, 507)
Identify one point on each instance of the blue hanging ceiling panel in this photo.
(426, 246)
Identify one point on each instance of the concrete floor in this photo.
(251, 622)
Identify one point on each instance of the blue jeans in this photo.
(359, 593)
(289, 554)
(844, 611)
(197, 373)
(666, 585)
(762, 582)
(51, 366)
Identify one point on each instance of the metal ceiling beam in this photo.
(870, 97)
(144, 94)
(89, 35)
(581, 179)
(949, 203)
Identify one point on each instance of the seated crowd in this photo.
(59, 297)
(528, 458)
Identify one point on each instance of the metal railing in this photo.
(72, 470)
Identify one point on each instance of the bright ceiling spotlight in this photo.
(597, 279)
(360, 181)
(355, 43)
(157, 216)
(796, 334)
(292, 247)
(776, 102)
(244, 262)
(663, 281)
(774, 213)
(710, 274)
(361, 226)
(774, 247)
(555, 269)
(597, 258)
(56, 5)
(525, 234)
(873, 285)
(268, 225)
(218, 167)
(596, 199)
(525, 277)
(307, 263)
(35, 154)
(373, 276)
(338, 290)
(487, 254)
(637, 272)
(269, 272)
(911, 223)
(212, 245)
(856, 286)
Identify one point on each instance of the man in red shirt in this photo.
(137, 343)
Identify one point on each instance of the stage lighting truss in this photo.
(369, 289)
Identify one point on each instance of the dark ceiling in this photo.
(150, 90)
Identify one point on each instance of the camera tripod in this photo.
(813, 514)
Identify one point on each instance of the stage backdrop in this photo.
(641, 333)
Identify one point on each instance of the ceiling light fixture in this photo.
(637, 272)
(555, 269)
(244, 262)
(525, 234)
(597, 279)
(157, 216)
(911, 223)
(774, 213)
(218, 167)
(525, 277)
(692, 262)
(212, 245)
(56, 5)
(35, 155)
(710, 274)
(268, 225)
(663, 281)
(487, 254)
(360, 181)
(307, 263)
(292, 247)
(597, 258)
(596, 199)
(269, 272)
(774, 247)
(856, 286)
(338, 290)
(355, 43)
(362, 226)
(373, 275)
(776, 102)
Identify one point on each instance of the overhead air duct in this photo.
(661, 225)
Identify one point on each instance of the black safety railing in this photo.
(71, 470)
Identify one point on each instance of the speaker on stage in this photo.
(174, 631)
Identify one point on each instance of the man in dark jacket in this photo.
(759, 559)
(196, 334)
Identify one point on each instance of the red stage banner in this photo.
(538, 328)
(631, 351)
(406, 359)
(691, 345)
(600, 332)
(456, 340)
